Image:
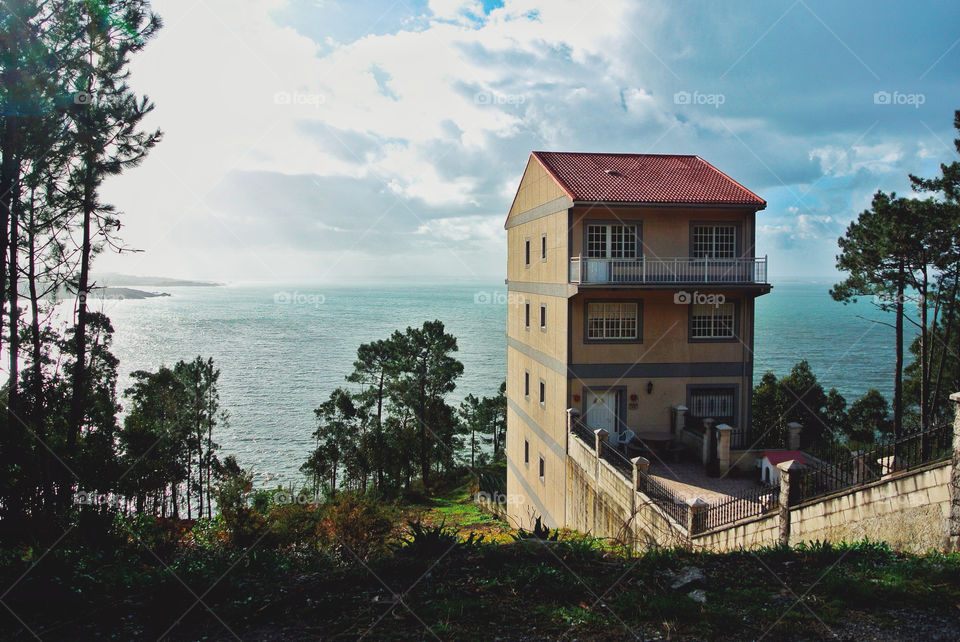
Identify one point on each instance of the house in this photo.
(769, 473)
(632, 280)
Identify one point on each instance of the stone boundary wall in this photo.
(911, 511)
(602, 503)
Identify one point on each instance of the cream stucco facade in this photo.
(553, 361)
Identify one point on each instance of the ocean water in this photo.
(282, 350)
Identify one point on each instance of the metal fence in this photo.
(751, 503)
(617, 459)
(585, 434)
(837, 467)
(671, 503)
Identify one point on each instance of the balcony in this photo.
(662, 271)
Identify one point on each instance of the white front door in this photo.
(601, 411)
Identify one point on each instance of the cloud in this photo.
(293, 126)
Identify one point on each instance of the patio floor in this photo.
(690, 480)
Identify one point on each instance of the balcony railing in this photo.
(665, 271)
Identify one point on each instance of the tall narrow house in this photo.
(632, 282)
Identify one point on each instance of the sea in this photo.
(283, 349)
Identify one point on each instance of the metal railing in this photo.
(586, 435)
(617, 459)
(670, 502)
(838, 468)
(750, 503)
(667, 270)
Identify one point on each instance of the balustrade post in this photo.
(794, 428)
(641, 467)
(707, 437)
(789, 495)
(679, 419)
(723, 448)
(694, 511)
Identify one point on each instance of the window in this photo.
(712, 321)
(612, 241)
(714, 241)
(616, 320)
(527, 252)
(543, 469)
(543, 317)
(526, 451)
(526, 315)
(543, 247)
(711, 402)
(526, 385)
(543, 392)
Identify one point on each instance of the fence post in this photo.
(641, 466)
(694, 509)
(600, 436)
(707, 436)
(859, 466)
(723, 447)
(955, 476)
(794, 429)
(572, 416)
(679, 419)
(789, 495)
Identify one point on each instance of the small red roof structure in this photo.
(644, 179)
(776, 457)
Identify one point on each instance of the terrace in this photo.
(668, 271)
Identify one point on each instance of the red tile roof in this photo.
(645, 178)
(780, 456)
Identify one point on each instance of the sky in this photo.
(323, 141)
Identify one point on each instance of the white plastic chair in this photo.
(624, 438)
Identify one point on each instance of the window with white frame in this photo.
(712, 321)
(612, 241)
(612, 321)
(717, 404)
(714, 241)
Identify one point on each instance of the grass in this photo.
(437, 582)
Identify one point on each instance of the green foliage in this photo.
(428, 542)
(540, 532)
(398, 425)
(243, 523)
(356, 526)
(869, 416)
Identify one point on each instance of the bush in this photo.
(296, 525)
(356, 525)
(434, 541)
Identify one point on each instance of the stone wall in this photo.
(911, 512)
(601, 502)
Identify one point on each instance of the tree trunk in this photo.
(13, 283)
(924, 347)
(9, 186)
(78, 398)
(947, 330)
(898, 367)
